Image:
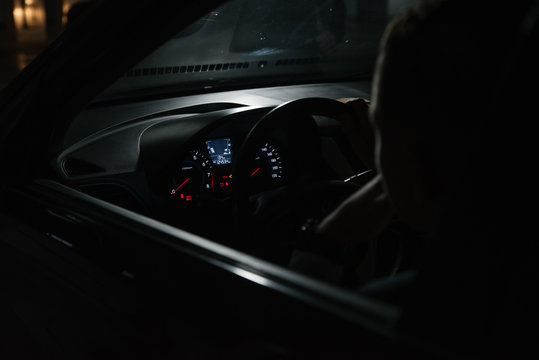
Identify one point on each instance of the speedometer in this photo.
(267, 169)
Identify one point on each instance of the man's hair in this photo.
(444, 59)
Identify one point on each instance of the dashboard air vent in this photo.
(77, 167)
(166, 70)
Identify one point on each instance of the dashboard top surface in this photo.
(97, 118)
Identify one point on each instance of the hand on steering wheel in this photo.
(267, 222)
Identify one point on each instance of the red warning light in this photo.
(188, 198)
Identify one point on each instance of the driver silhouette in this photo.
(439, 141)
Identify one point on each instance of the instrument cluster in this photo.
(206, 171)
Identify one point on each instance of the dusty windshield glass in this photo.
(263, 42)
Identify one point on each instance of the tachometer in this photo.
(194, 177)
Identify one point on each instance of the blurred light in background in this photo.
(30, 13)
(30, 21)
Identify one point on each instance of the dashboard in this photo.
(176, 159)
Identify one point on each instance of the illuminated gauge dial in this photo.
(267, 168)
(194, 177)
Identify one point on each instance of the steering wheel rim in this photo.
(301, 110)
(274, 119)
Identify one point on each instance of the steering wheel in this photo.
(267, 223)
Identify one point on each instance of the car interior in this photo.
(179, 166)
(243, 167)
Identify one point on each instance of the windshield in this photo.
(266, 42)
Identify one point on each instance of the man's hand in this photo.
(358, 129)
(361, 217)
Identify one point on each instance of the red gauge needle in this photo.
(182, 184)
(254, 172)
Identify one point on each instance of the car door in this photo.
(88, 279)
